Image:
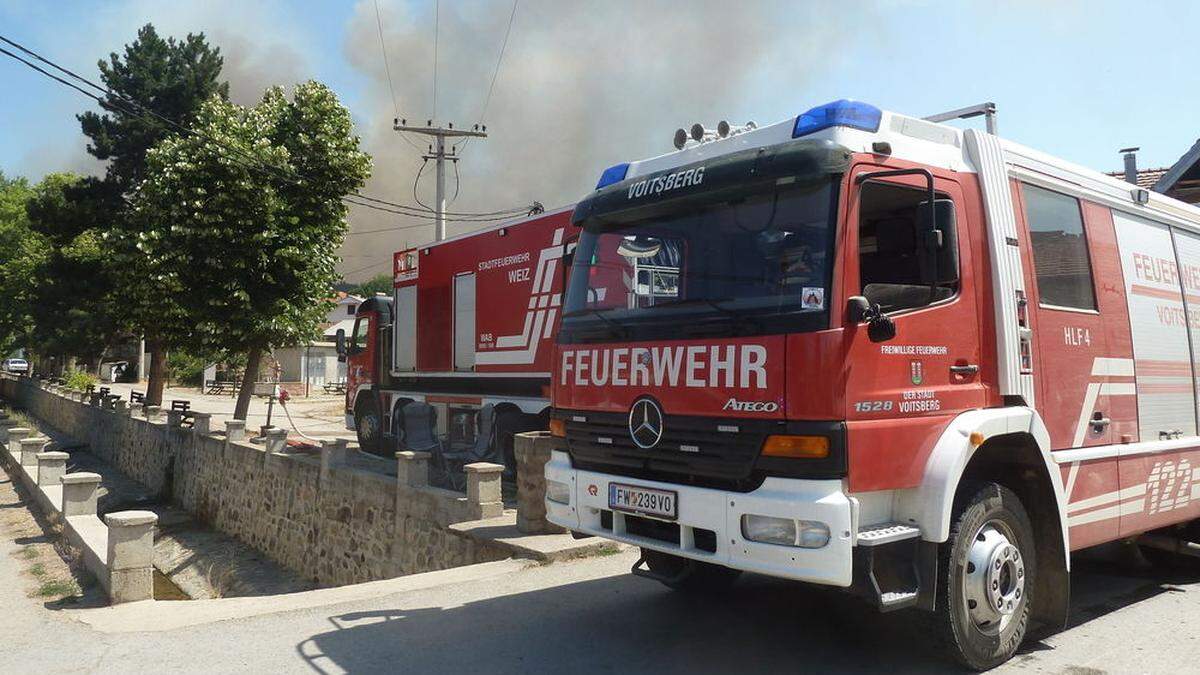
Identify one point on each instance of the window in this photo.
(362, 328)
(1060, 252)
(350, 308)
(889, 261)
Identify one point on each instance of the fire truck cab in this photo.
(867, 350)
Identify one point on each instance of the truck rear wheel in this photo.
(368, 425)
(986, 575)
(703, 577)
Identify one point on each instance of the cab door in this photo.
(901, 393)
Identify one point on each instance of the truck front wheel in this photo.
(986, 575)
(368, 425)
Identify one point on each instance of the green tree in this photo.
(172, 78)
(380, 283)
(71, 301)
(250, 250)
(21, 251)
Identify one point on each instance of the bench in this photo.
(221, 387)
(182, 406)
(335, 387)
(137, 397)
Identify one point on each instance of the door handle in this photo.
(967, 369)
(1099, 422)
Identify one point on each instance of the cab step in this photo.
(886, 533)
(894, 568)
(892, 600)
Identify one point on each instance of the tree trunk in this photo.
(158, 372)
(253, 360)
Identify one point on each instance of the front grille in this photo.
(692, 451)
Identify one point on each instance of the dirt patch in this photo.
(45, 558)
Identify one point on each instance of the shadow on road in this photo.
(626, 624)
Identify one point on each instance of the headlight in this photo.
(558, 492)
(785, 531)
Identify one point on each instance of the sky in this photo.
(583, 85)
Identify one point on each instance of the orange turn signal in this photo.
(799, 447)
(558, 427)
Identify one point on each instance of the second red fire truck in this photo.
(866, 350)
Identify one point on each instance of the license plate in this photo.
(647, 501)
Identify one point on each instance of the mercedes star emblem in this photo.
(645, 423)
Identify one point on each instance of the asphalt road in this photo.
(586, 616)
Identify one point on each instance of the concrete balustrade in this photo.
(276, 440)
(532, 450)
(79, 493)
(174, 418)
(412, 468)
(333, 454)
(235, 430)
(153, 413)
(483, 489)
(121, 406)
(130, 558)
(51, 467)
(15, 436)
(29, 449)
(201, 423)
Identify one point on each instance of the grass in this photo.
(38, 570)
(29, 552)
(58, 588)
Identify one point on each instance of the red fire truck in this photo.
(872, 351)
(470, 325)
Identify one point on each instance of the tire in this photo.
(704, 578)
(368, 425)
(988, 560)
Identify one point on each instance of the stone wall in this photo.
(333, 524)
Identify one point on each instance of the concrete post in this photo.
(276, 440)
(135, 410)
(30, 447)
(333, 453)
(235, 430)
(122, 407)
(152, 412)
(52, 466)
(483, 489)
(131, 555)
(15, 434)
(174, 418)
(6, 424)
(201, 423)
(94, 399)
(109, 402)
(79, 493)
(412, 468)
(532, 450)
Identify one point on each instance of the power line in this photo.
(487, 99)
(295, 177)
(387, 68)
(500, 59)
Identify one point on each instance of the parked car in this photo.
(16, 366)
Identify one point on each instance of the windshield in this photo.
(732, 263)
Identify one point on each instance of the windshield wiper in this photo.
(598, 313)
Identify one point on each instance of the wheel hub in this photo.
(994, 583)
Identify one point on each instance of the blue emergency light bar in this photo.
(613, 174)
(843, 113)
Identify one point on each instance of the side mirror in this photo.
(880, 327)
(340, 341)
(937, 242)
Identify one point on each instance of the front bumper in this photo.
(703, 510)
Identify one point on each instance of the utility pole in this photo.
(440, 134)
